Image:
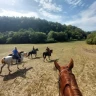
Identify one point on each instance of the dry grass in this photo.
(40, 78)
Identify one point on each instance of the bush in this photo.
(91, 38)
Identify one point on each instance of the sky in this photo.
(79, 13)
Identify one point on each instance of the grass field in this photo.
(40, 78)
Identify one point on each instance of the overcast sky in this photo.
(80, 13)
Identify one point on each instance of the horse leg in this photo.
(31, 56)
(17, 66)
(23, 65)
(35, 55)
(1, 68)
(9, 69)
(49, 57)
(44, 59)
(16, 61)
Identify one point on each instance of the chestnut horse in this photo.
(67, 82)
(47, 54)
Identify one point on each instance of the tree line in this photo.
(35, 30)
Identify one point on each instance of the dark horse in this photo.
(67, 82)
(33, 52)
(47, 54)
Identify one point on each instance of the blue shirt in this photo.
(15, 52)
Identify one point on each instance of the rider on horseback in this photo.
(33, 49)
(16, 54)
(48, 50)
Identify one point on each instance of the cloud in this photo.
(8, 2)
(86, 19)
(11, 13)
(49, 6)
(50, 16)
(74, 2)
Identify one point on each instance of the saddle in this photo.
(15, 57)
(34, 51)
(49, 53)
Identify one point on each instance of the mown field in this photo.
(41, 78)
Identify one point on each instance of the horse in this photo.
(15, 58)
(9, 60)
(67, 82)
(33, 52)
(47, 54)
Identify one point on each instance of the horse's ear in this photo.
(57, 65)
(71, 64)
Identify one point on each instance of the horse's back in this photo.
(7, 59)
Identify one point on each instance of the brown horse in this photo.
(47, 54)
(67, 82)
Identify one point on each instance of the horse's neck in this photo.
(68, 91)
(74, 86)
(69, 85)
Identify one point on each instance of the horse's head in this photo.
(24, 54)
(36, 49)
(21, 52)
(62, 68)
(51, 51)
(67, 81)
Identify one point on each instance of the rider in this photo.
(48, 50)
(16, 54)
(33, 49)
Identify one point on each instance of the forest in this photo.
(19, 30)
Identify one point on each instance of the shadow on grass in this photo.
(18, 73)
(53, 60)
(35, 58)
(20, 63)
